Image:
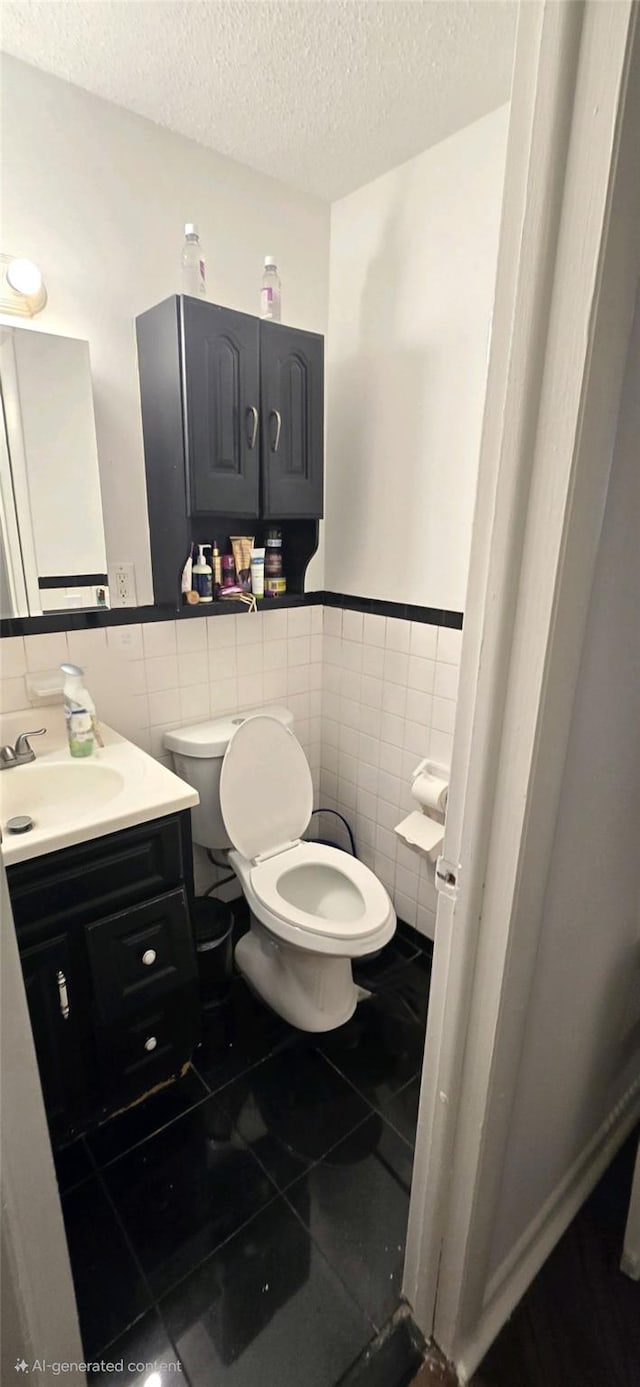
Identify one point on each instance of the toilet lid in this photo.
(266, 793)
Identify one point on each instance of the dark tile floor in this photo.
(251, 1219)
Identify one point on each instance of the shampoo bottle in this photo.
(79, 712)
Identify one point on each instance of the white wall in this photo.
(582, 1044)
(413, 259)
(98, 197)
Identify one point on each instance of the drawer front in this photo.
(92, 879)
(151, 1046)
(141, 954)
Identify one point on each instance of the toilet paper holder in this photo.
(423, 827)
(435, 771)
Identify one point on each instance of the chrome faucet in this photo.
(21, 753)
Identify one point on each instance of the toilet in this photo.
(313, 908)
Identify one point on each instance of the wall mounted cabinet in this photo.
(232, 415)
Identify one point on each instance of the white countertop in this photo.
(72, 800)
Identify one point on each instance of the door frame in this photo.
(568, 268)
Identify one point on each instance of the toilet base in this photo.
(313, 992)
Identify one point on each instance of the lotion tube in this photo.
(257, 572)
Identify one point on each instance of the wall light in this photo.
(22, 290)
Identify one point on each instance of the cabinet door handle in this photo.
(252, 415)
(275, 414)
(149, 956)
(150, 1043)
(63, 995)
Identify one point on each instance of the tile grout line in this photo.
(133, 1253)
(334, 1271)
(373, 1107)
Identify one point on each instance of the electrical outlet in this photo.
(122, 585)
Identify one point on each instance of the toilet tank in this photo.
(198, 752)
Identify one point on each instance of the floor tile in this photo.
(145, 1348)
(401, 1109)
(237, 1035)
(185, 1190)
(391, 1360)
(72, 1164)
(110, 1291)
(129, 1128)
(292, 1109)
(380, 1049)
(355, 1204)
(411, 985)
(414, 937)
(265, 1311)
(398, 952)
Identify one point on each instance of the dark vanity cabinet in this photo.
(233, 423)
(107, 952)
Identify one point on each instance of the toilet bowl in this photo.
(313, 907)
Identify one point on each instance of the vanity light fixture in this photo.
(22, 290)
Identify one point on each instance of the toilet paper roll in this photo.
(430, 792)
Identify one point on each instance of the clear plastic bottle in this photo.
(271, 291)
(193, 264)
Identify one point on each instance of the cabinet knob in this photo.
(150, 1042)
(149, 956)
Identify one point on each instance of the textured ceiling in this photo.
(324, 94)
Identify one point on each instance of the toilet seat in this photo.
(307, 894)
(335, 895)
(262, 883)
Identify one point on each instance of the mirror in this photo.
(52, 546)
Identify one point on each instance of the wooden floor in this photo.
(579, 1323)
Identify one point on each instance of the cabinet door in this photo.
(220, 363)
(292, 402)
(141, 954)
(57, 1028)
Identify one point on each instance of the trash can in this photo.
(213, 932)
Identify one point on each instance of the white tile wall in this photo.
(371, 696)
(389, 690)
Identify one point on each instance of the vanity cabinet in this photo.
(233, 424)
(60, 1037)
(108, 958)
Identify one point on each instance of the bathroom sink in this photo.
(73, 801)
(53, 792)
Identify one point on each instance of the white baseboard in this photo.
(515, 1274)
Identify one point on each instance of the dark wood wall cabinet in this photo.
(109, 963)
(233, 423)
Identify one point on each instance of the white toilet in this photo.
(313, 908)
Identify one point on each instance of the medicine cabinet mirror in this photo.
(52, 545)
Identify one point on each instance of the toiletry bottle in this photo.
(216, 564)
(257, 572)
(273, 556)
(203, 576)
(193, 264)
(271, 291)
(228, 570)
(79, 712)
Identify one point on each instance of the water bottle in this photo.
(270, 294)
(193, 266)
